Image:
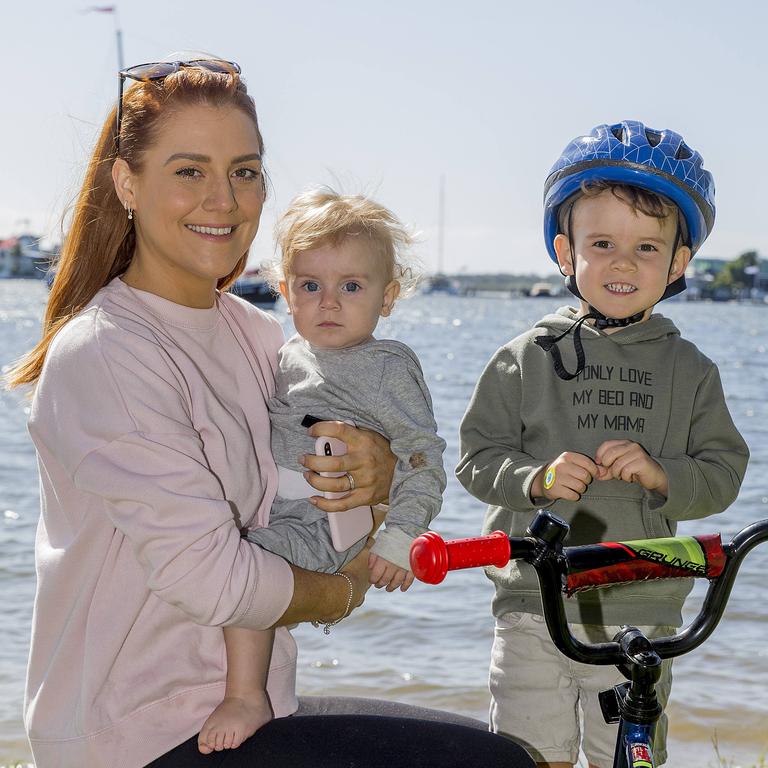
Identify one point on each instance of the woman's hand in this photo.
(368, 461)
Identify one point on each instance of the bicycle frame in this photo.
(635, 747)
(634, 705)
(568, 569)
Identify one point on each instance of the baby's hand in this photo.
(567, 477)
(628, 461)
(386, 574)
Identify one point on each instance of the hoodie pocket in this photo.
(657, 525)
(610, 518)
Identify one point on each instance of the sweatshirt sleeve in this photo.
(492, 465)
(113, 410)
(707, 479)
(161, 496)
(403, 406)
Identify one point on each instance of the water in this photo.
(430, 646)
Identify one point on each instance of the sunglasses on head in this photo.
(159, 70)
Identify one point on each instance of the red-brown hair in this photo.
(100, 242)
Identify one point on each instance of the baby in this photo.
(342, 266)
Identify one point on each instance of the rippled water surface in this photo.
(430, 646)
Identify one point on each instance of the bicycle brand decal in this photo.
(672, 557)
(680, 552)
(641, 756)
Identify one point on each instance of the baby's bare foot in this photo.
(233, 721)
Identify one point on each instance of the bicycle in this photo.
(567, 570)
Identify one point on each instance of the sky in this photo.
(385, 98)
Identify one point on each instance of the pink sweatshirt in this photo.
(152, 435)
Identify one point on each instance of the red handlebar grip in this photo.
(432, 557)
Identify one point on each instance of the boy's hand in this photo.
(628, 461)
(386, 574)
(567, 477)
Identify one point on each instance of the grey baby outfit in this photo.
(378, 385)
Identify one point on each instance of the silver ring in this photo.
(351, 481)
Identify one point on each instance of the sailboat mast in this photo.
(120, 57)
(112, 11)
(440, 224)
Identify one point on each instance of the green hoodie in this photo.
(642, 383)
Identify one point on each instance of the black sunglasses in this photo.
(159, 70)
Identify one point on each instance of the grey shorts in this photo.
(548, 703)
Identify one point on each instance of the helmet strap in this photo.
(549, 344)
(679, 285)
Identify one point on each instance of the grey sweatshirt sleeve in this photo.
(403, 406)
(707, 479)
(492, 467)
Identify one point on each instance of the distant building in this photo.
(700, 273)
(701, 265)
(761, 278)
(22, 256)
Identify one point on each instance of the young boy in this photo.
(343, 264)
(606, 415)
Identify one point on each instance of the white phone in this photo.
(350, 526)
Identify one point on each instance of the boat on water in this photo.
(541, 289)
(251, 287)
(441, 284)
(23, 257)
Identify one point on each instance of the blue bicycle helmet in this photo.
(629, 153)
(626, 153)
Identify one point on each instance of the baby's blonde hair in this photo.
(322, 216)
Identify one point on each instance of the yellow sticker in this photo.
(549, 478)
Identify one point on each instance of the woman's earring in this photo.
(130, 211)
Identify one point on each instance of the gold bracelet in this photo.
(328, 624)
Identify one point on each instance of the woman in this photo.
(149, 418)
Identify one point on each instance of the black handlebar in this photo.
(542, 547)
